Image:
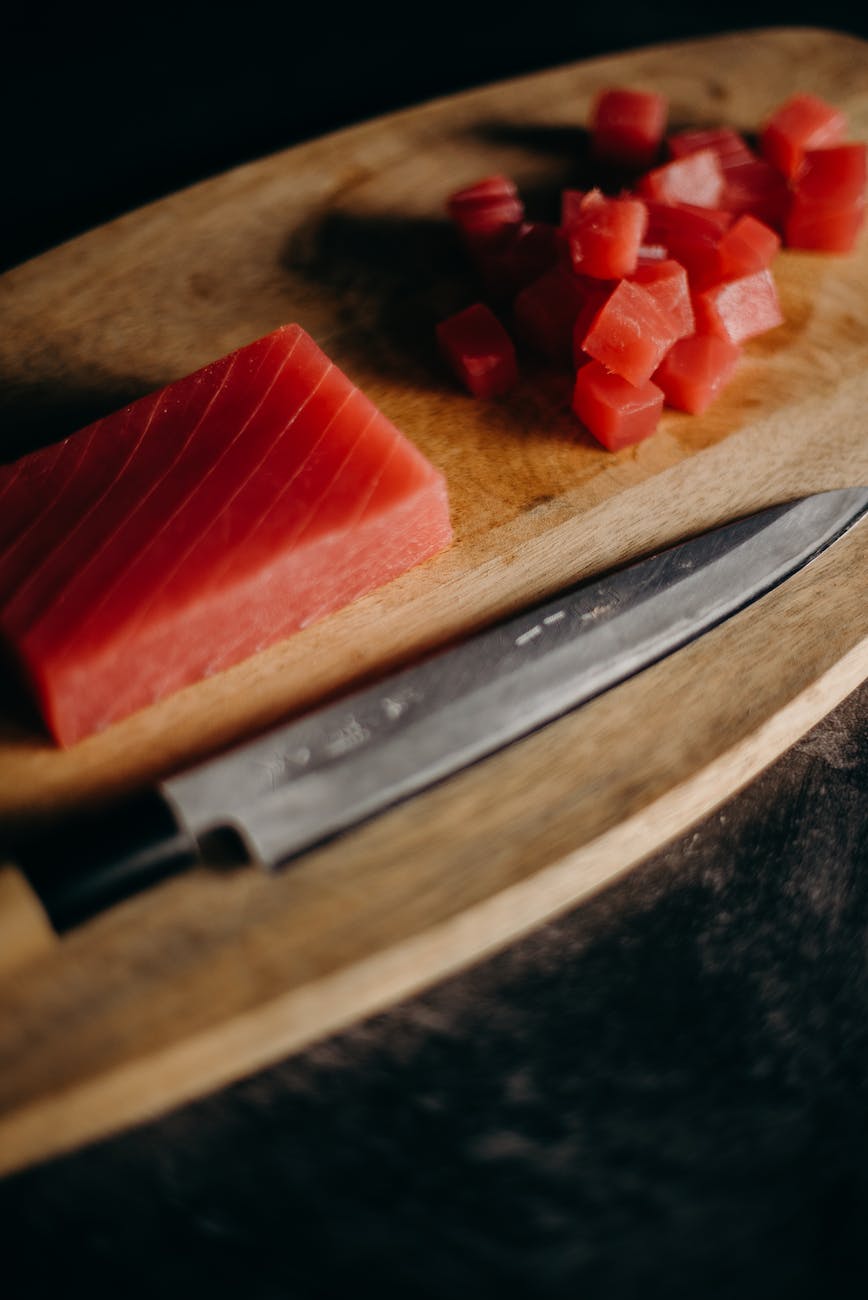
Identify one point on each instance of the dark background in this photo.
(664, 1093)
(106, 107)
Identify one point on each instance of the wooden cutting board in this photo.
(220, 972)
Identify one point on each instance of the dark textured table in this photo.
(663, 1093)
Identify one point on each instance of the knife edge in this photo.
(506, 681)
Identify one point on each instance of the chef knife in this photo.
(305, 781)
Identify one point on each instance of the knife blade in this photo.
(312, 778)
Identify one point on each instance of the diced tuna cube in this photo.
(824, 229)
(521, 255)
(616, 412)
(834, 176)
(666, 282)
(758, 189)
(484, 210)
(571, 202)
(697, 178)
(803, 122)
(695, 370)
(479, 350)
(828, 205)
(748, 245)
(630, 334)
(597, 293)
(750, 184)
(604, 235)
(627, 126)
(687, 231)
(738, 309)
(545, 313)
(730, 147)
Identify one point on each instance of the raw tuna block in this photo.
(200, 524)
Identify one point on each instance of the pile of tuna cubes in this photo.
(650, 294)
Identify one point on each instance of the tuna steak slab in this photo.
(200, 524)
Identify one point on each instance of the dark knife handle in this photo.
(93, 862)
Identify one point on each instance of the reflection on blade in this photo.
(302, 782)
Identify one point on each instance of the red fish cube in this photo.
(758, 189)
(520, 255)
(730, 147)
(627, 126)
(479, 350)
(630, 334)
(605, 235)
(670, 223)
(834, 176)
(750, 184)
(485, 209)
(616, 412)
(695, 370)
(828, 204)
(666, 281)
(571, 204)
(597, 293)
(690, 233)
(748, 245)
(825, 229)
(696, 178)
(738, 309)
(803, 122)
(545, 313)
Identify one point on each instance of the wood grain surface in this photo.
(217, 973)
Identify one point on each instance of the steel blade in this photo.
(303, 782)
